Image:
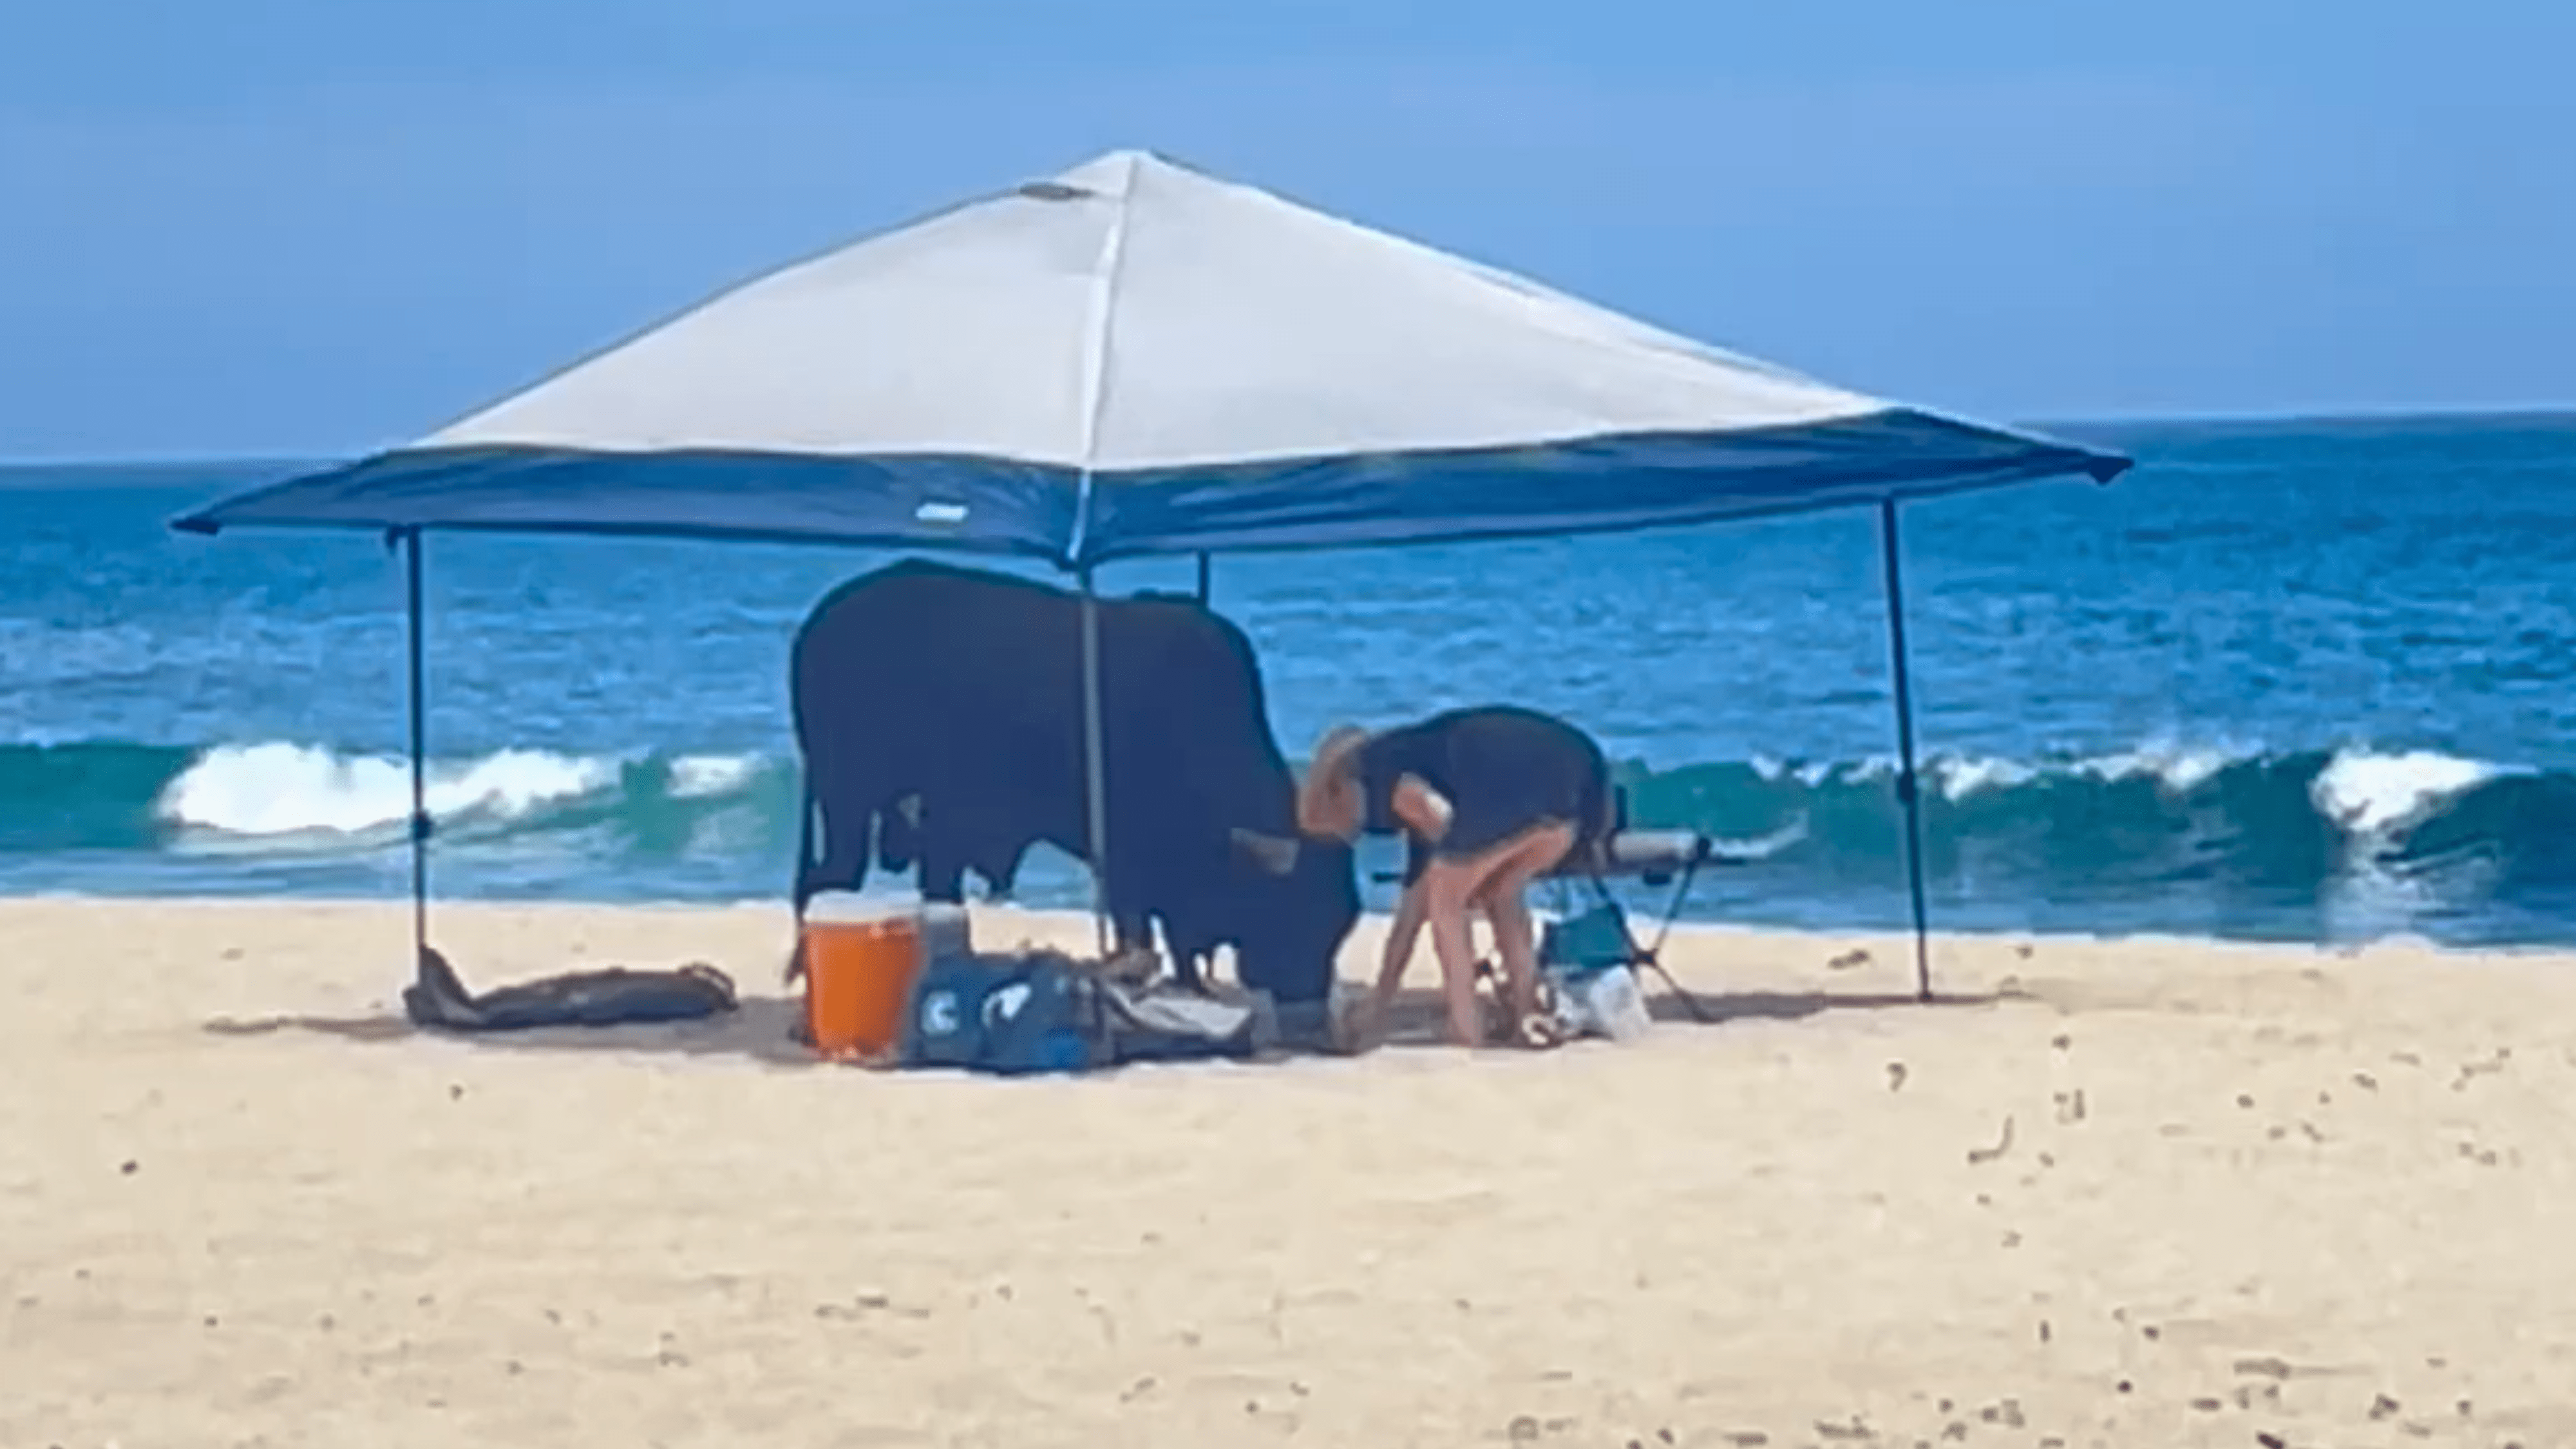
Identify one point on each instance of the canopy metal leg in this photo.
(419, 823)
(1094, 771)
(1203, 580)
(1907, 786)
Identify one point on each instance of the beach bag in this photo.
(1014, 1015)
(1008, 1015)
(1164, 1023)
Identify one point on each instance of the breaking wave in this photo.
(2159, 822)
(288, 798)
(2155, 816)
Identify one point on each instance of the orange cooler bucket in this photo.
(860, 961)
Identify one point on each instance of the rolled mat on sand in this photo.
(610, 996)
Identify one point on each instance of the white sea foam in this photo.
(2178, 768)
(699, 777)
(2374, 798)
(1958, 777)
(282, 789)
(2174, 767)
(1818, 772)
(2369, 794)
(2363, 792)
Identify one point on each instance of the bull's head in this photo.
(1300, 899)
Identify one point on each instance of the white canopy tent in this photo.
(1138, 358)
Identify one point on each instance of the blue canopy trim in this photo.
(998, 506)
(1594, 485)
(972, 504)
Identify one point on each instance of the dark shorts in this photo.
(1505, 772)
(1488, 820)
(1418, 854)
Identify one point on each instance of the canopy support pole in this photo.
(1907, 788)
(1203, 580)
(419, 825)
(1094, 772)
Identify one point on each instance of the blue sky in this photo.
(318, 226)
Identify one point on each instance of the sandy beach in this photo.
(2120, 1193)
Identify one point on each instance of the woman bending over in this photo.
(1488, 799)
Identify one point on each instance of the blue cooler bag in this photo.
(1008, 1015)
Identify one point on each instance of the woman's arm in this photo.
(1424, 810)
(1401, 934)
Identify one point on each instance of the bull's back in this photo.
(929, 642)
(924, 657)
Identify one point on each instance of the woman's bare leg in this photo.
(1502, 892)
(1515, 942)
(1494, 880)
(1445, 890)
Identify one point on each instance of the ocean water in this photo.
(2289, 680)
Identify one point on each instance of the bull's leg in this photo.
(1132, 932)
(899, 832)
(1132, 929)
(1004, 875)
(943, 870)
(1131, 924)
(997, 860)
(1191, 959)
(938, 838)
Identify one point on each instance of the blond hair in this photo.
(1328, 799)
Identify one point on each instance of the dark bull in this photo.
(940, 714)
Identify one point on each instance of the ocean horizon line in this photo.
(165, 460)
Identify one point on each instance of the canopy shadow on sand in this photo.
(758, 1029)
